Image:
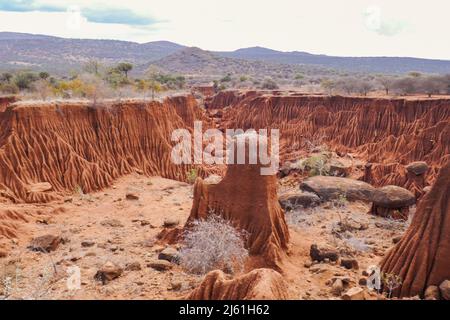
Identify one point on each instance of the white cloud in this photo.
(403, 28)
(377, 22)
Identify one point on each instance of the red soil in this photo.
(76, 146)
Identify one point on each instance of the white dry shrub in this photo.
(213, 244)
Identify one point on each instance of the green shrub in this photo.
(192, 175)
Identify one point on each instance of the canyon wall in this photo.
(75, 145)
(389, 133)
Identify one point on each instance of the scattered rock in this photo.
(307, 264)
(346, 280)
(114, 223)
(176, 285)
(350, 224)
(45, 243)
(169, 254)
(350, 264)
(328, 188)
(432, 293)
(146, 223)
(171, 222)
(108, 272)
(354, 293)
(445, 289)
(397, 239)
(132, 196)
(337, 287)
(393, 197)
(133, 266)
(285, 169)
(3, 253)
(293, 200)
(319, 268)
(338, 169)
(418, 167)
(322, 253)
(74, 258)
(362, 281)
(160, 265)
(87, 243)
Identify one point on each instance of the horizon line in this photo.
(223, 51)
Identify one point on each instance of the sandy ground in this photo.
(123, 231)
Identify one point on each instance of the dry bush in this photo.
(213, 244)
(43, 89)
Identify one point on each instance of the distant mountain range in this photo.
(61, 55)
(357, 64)
(195, 61)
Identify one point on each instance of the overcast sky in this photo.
(415, 28)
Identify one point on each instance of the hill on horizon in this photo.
(62, 55)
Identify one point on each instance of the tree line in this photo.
(412, 83)
(93, 82)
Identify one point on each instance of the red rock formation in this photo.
(250, 201)
(259, 284)
(76, 145)
(422, 257)
(73, 144)
(387, 132)
(228, 98)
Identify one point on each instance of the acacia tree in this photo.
(365, 86)
(125, 67)
(44, 75)
(154, 73)
(432, 85)
(6, 77)
(386, 82)
(406, 85)
(328, 85)
(93, 66)
(155, 87)
(269, 84)
(347, 84)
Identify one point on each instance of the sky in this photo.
(414, 28)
